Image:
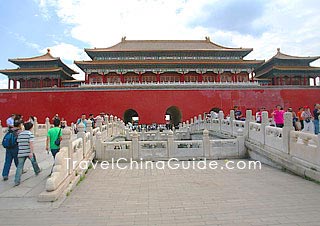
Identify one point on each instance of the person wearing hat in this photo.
(307, 120)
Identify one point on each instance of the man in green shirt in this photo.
(54, 134)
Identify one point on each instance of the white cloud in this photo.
(290, 25)
(68, 53)
(22, 39)
(3, 83)
(102, 23)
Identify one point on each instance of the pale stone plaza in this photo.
(94, 195)
(164, 197)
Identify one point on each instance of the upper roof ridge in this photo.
(165, 45)
(45, 57)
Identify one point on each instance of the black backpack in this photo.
(10, 140)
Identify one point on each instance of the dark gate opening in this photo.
(128, 116)
(175, 115)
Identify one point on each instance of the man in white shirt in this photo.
(10, 121)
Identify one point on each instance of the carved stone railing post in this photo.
(199, 122)
(66, 142)
(127, 133)
(247, 123)
(99, 150)
(135, 145)
(191, 125)
(221, 117)
(99, 122)
(158, 134)
(81, 130)
(232, 118)
(211, 116)
(35, 127)
(115, 126)
(110, 133)
(47, 124)
(143, 134)
(189, 132)
(264, 123)
(287, 127)
(89, 129)
(72, 128)
(206, 143)
(82, 134)
(170, 144)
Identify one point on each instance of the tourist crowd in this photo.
(19, 140)
(304, 120)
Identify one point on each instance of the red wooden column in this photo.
(200, 77)
(121, 78)
(140, 77)
(51, 82)
(14, 84)
(9, 80)
(218, 77)
(314, 81)
(281, 83)
(305, 80)
(182, 77)
(158, 77)
(104, 78)
(41, 82)
(291, 80)
(86, 81)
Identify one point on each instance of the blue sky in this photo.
(29, 27)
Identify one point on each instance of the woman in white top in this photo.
(307, 120)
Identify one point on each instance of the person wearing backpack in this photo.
(9, 142)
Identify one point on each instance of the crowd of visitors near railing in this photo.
(303, 120)
(19, 140)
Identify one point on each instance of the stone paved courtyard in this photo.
(164, 197)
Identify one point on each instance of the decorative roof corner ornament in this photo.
(207, 38)
(123, 38)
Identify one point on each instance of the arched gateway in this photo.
(129, 114)
(175, 115)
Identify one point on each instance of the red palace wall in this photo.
(151, 105)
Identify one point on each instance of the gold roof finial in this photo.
(207, 38)
(123, 38)
(278, 50)
(48, 50)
